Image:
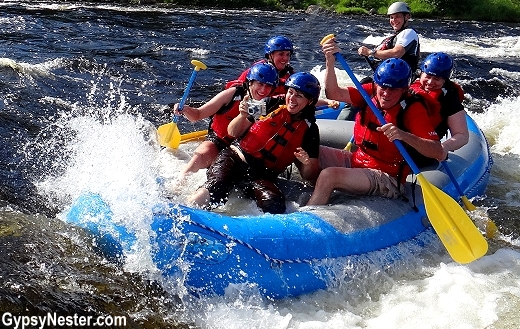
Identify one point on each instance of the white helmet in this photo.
(398, 7)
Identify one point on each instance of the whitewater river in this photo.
(82, 89)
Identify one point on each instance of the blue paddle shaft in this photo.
(452, 177)
(185, 95)
(377, 113)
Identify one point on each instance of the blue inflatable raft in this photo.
(289, 254)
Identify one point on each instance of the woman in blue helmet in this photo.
(444, 99)
(224, 107)
(277, 51)
(265, 147)
(375, 167)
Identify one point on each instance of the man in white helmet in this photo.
(404, 43)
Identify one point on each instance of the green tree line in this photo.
(480, 10)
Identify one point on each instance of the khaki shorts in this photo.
(380, 182)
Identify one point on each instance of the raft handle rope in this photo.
(279, 262)
(488, 167)
(273, 261)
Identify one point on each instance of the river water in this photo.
(83, 88)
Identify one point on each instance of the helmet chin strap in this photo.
(249, 84)
(270, 59)
(405, 23)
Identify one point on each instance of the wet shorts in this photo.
(219, 142)
(380, 182)
(228, 171)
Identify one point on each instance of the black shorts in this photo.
(219, 142)
(228, 171)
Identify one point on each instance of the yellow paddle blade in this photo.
(326, 38)
(491, 227)
(456, 230)
(198, 65)
(193, 136)
(169, 135)
(467, 204)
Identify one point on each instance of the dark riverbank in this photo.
(467, 10)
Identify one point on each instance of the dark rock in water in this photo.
(317, 10)
(47, 267)
(22, 194)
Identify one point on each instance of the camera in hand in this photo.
(256, 108)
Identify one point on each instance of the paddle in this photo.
(458, 233)
(193, 136)
(169, 134)
(491, 228)
(371, 63)
(348, 147)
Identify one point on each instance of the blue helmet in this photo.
(277, 43)
(306, 83)
(263, 72)
(439, 65)
(393, 73)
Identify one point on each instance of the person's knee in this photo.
(218, 192)
(326, 176)
(268, 197)
(200, 198)
(273, 206)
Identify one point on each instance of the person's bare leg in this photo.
(202, 158)
(200, 198)
(350, 180)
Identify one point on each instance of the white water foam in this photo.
(501, 47)
(500, 122)
(479, 295)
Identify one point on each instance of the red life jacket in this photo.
(274, 139)
(435, 100)
(233, 83)
(221, 119)
(374, 149)
(431, 101)
(387, 43)
(281, 89)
